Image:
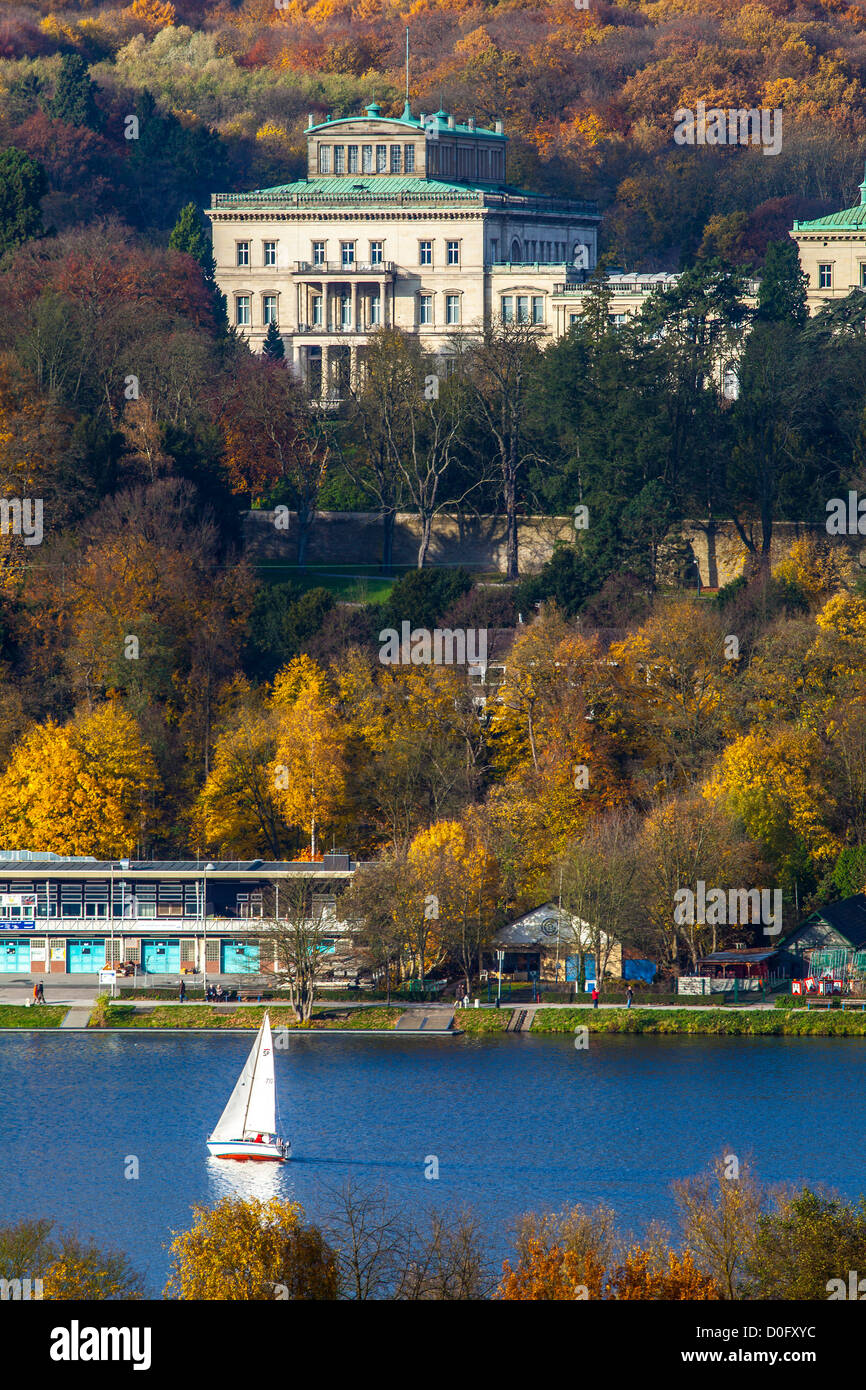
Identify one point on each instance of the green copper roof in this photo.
(835, 221)
(370, 190)
(373, 113)
(838, 221)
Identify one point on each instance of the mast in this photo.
(407, 74)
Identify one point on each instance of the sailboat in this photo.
(247, 1126)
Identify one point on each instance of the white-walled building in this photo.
(405, 221)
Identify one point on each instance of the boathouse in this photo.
(76, 915)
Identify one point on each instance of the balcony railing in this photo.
(338, 268)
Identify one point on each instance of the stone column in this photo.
(326, 372)
(354, 306)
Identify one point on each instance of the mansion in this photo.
(401, 221)
(409, 221)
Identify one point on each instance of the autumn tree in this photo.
(87, 787)
(70, 1267)
(310, 764)
(560, 1256)
(252, 1250)
(719, 1213)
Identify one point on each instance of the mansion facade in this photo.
(833, 253)
(401, 221)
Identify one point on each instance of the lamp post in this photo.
(500, 955)
(204, 931)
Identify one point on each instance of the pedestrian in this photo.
(595, 996)
(35, 994)
(629, 997)
(182, 991)
(40, 993)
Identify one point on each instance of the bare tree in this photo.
(497, 370)
(292, 944)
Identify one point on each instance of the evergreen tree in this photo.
(23, 184)
(190, 235)
(782, 296)
(274, 347)
(74, 95)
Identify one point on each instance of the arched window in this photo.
(516, 255)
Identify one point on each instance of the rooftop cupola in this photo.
(374, 109)
(863, 189)
(407, 112)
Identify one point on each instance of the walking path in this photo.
(76, 1018)
(428, 1019)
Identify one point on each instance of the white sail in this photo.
(262, 1108)
(252, 1106)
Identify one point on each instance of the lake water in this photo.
(516, 1123)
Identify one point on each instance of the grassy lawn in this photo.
(476, 1021)
(204, 1016)
(43, 1016)
(351, 583)
(763, 1022)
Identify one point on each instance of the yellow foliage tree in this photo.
(252, 1251)
(88, 787)
(310, 764)
(768, 779)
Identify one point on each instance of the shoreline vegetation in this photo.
(727, 1022)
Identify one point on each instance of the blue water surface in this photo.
(516, 1123)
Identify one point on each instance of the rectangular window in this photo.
(453, 248)
(242, 305)
(863, 275)
(408, 159)
(425, 253)
(353, 159)
(507, 308)
(825, 277)
(270, 253)
(523, 308)
(243, 253)
(573, 319)
(367, 159)
(339, 159)
(347, 254)
(381, 159)
(317, 310)
(375, 252)
(375, 310)
(269, 309)
(396, 159)
(494, 249)
(538, 308)
(425, 309)
(324, 159)
(318, 253)
(452, 308)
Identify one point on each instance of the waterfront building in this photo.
(833, 253)
(832, 937)
(406, 221)
(65, 915)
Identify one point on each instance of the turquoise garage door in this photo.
(161, 957)
(239, 958)
(14, 956)
(83, 957)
